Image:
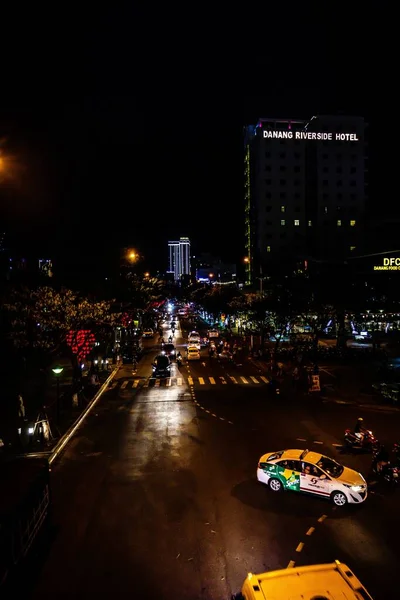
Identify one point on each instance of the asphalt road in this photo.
(156, 496)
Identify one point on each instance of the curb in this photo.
(63, 441)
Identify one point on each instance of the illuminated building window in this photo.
(352, 248)
(268, 248)
(339, 223)
(325, 209)
(296, 222)
(310, 223)
(283, 208)
(352, 223)
(283, 222)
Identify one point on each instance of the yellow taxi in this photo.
(322, 582)
(193, 353)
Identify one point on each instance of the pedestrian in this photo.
(21, 407)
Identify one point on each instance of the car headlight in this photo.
(357, 488)
(173, 352)
(354, 488)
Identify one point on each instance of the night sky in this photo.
(125, 127)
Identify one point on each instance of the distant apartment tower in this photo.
(305, 190)
(179, 258)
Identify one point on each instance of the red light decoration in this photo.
(126, 320)
(81, 342)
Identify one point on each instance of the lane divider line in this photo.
(301, 439)
(301, 545)
(316, 442)
(291, 564)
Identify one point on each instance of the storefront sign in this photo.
(389, 264)
(311, 135)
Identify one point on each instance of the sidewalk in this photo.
(342, 390)
(44, 424)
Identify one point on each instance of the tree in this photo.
(215, 299)
(40, 319)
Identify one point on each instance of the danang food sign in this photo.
(388, 264)
(311, 135)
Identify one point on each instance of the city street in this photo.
(157, 496)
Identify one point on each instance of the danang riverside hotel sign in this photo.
(311, 135)
(389, 264)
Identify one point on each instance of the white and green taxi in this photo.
(313, 473)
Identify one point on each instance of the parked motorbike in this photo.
(367, 442)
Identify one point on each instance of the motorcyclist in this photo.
(396, 454)
(170, 339)
(179, 358)
(381, 459)
(359, 429)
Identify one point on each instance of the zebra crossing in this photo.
(145, 382)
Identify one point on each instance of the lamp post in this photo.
(57, 372)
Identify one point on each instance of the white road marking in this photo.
(179, 381)
(264, 379)
(113, 385)
(136, 383)
(201, 381)
(328, 372)
(254, 379)
(168, 382)
(204, 364)
(337, 445)
(301, 439)
(291, 564)
(300, 547)
(244, 380)
(146, 383)
(322, 519)
(124, 384)
(190, 380)
(157, 383)
(212, 380)
(233, 379)
(310, 531)
(316, 442)
(222, 379)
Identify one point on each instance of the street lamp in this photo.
(132, 256)
(57, 372)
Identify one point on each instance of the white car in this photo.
(313, 473)
(193, 353)
(213, 333)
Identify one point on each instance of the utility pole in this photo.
(261, 278)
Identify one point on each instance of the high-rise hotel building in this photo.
(305, 191)
(179, 258)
